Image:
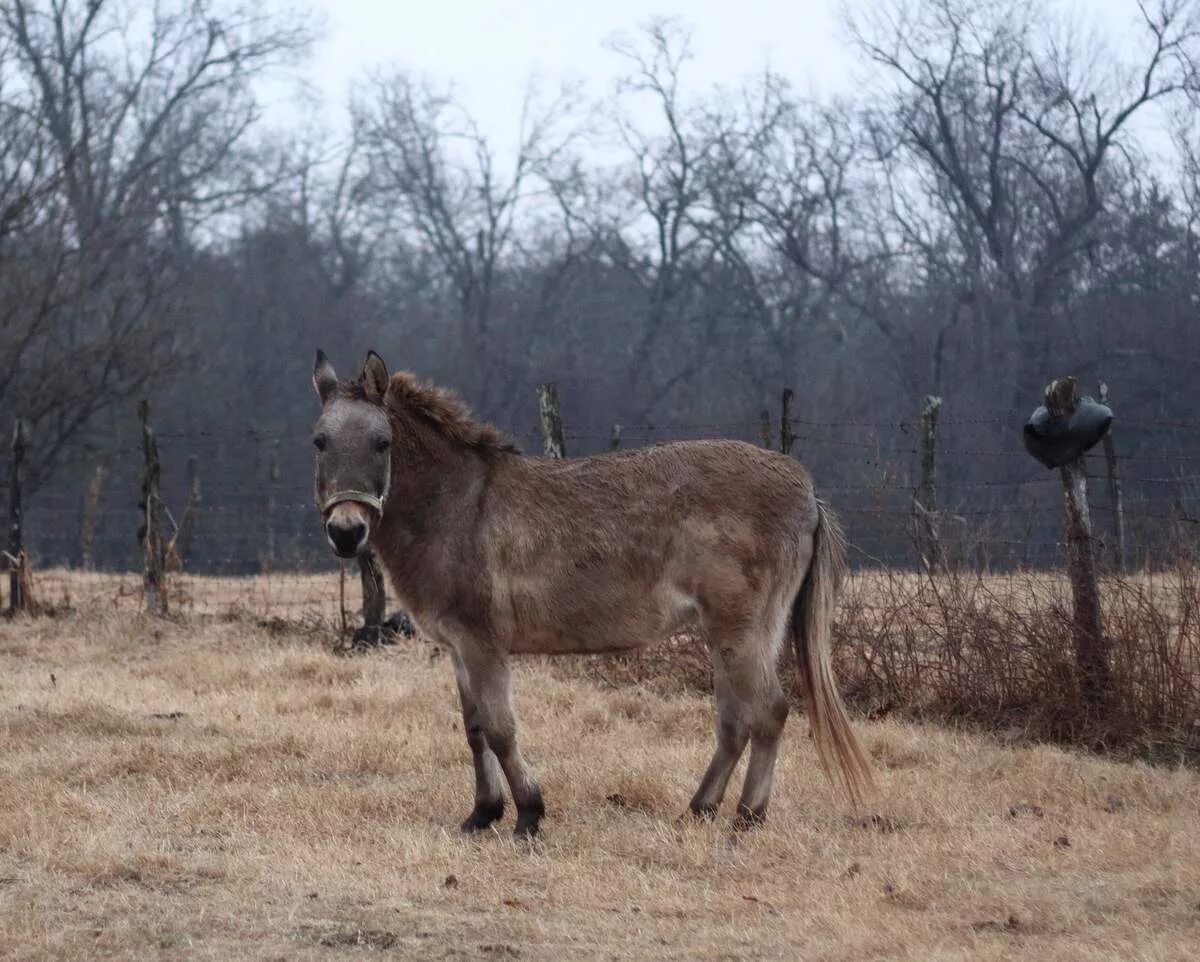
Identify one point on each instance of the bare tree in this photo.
(785, 195)
(660, 244)
(1013, 129)
(431, 163)
(138, 123)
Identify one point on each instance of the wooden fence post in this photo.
(187, 521)
(91, 516)
(267, 561)
(764, 429)
(1091, 650)
(925, 503)
(787, 435)
(17, 596)
(929, 421)
(614, 442)
(151, 533)
(1114, 490)
(373, 592)
(550, 415)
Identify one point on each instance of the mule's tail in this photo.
(812, 629)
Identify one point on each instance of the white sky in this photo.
(490, 49)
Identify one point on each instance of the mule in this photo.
(495, 554)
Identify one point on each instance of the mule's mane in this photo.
(441, 409)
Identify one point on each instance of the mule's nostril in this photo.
(347, 539)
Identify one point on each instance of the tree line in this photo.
(1008, 199)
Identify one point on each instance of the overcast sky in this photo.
(490, 49)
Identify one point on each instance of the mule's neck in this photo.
(435, 496)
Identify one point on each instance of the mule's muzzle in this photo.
(349, 515)
(348, 536)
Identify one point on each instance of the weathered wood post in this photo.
(267, 563)
(1114, 490)
(1091, 649)
(550, 416)
(764, 429)
(17, 600)
(373, 592)
(925, 504)
(187, 521)
(151, 533)
(614, 441)
(787, 435)
(91, 516)
(927, 491)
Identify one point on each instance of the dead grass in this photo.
(286, 595)
(219, 789)
(996, 650)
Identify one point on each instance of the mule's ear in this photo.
(324, 378)
(374, 377)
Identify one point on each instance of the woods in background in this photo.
(1007, 200)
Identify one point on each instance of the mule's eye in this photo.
(382, 444)
(319, 442)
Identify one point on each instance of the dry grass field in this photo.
(227, 788)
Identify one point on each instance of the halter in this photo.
(370, 500)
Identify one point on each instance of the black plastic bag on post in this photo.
(1056, 441)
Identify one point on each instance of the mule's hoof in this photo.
(528, 818)
(482, 816)
(700, 813)
(749, 818)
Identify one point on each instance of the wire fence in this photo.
(997, 509)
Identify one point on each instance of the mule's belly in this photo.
(591, 618)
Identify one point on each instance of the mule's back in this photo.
(614, 551)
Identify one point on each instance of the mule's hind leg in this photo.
(491, 687)
(732, 735)
(752, 669)
(489, 780)
(750, 707)
(768, 713)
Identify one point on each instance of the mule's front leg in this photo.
(491, 688)
(489, 781)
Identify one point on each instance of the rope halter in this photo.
(370, 500)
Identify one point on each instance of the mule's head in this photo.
(353, 438)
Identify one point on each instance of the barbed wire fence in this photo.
(242, 534)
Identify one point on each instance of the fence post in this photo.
(267, 562)
(614, 442)
(17, 597)
(764, 429)
(1091, 651)
(150, 533)
(187, 521)
(373, 592)
(925, 502)
(550, 415)
(787, 436)
(929, 421)
(1114, 489)
(91, 514)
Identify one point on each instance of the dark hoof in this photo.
(700, 813)
(748, 818)
(526, 831)
(482, 816)
(528, 818)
